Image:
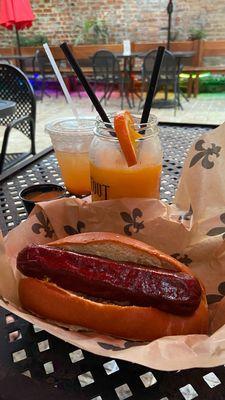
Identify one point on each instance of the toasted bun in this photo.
(119, 248)
(131, 322)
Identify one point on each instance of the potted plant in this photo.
(93, 31)
(197, 34)
(32, 41)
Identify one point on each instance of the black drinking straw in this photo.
(152, 86)
(74, 64)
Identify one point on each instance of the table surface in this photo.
(61, 370)
(7, 108)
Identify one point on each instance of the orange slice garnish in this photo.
(126, 134)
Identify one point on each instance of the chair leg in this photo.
(177, 97)
(177, 103)
(78, 89)
(105, 94)
(132, 99)
(44, 89)
(94, 89)
(196, 85)
(110, 92)
(35, 85)
(127, 97)
(166, 91)
(132, 91)
(43, 85)
(190, 86)
(57, 91)
(121, 88)
(32, 136)
(177, 93)
(4, 146)
(141, 98)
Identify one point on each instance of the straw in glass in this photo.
(152, 86)
(61, 81)
(74, 64)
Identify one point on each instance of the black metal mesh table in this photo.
(35, 364)
(6, 108)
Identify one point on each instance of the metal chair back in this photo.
(15, 86)
(45, 73)
(168, 70)
(168, 78)
(43, 63)
(105, 65)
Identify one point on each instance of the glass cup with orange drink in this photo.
(71, 141)
(126, 162)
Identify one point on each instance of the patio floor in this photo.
(208, 108)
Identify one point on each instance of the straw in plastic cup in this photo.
(61, 81)
(71, 143)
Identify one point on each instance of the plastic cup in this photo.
(71, 144)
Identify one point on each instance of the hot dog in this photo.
(112, 284)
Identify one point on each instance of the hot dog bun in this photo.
(131, 322)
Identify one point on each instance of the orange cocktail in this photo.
(71, 141)
(75, 170)
(112, 178)
(133, 182)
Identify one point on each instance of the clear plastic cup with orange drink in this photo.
(71, 141)
(128, 164)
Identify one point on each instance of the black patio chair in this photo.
(15, 86)
(44, 74)
(168, 79)
(106, 71)
(29, 66)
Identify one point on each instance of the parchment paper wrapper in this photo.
(192, 230)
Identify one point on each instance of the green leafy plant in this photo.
(174, 35)
(197, 33)
(36, 40)
(93, 31)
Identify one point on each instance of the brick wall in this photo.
(138, 20)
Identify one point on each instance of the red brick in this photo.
(141, 20)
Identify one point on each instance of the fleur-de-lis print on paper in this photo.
(127, 345)
(73, 231)
(133, 225)
(205, 154)
(219, 229)
(213, 298)
(107, 346)
(43, 225)
(183, 258)
(187, 216)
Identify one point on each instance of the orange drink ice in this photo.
(112, 178)
(71, 142)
